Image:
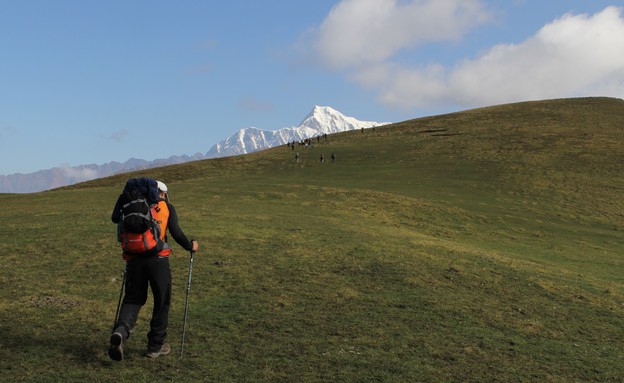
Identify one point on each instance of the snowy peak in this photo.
(321, 120)
(322, 113)
(328, 120)
(246, 140)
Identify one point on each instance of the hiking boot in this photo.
(115, 351)
(164, 350)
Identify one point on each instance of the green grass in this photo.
(481, 246)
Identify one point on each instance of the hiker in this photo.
(148, 268)
(333, 157)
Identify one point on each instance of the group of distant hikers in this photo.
(144, 215)
(309, 143)
(306, 142)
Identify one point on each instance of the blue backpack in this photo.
(138, 230)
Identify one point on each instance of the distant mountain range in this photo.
(322, 120)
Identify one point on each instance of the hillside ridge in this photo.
(487, 243)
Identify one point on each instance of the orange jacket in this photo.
(162, 218)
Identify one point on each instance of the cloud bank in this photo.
(574, 55)
(78, 173)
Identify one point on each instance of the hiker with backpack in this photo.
(144, 215)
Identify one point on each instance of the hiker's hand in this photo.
(195, 246)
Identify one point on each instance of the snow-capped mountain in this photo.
(322, 120)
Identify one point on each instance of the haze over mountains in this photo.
(321, 120)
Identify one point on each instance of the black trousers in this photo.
(140, 272)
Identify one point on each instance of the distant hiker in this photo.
(146, 264)
(322, 158)
(333, 157)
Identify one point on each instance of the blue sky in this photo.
(85, 81)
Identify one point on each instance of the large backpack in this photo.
(139, 230)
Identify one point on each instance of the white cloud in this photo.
(79, 173)
(572, 56)
(359, 33)
(575, 55)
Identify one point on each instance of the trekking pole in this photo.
(188, 290)
(123, 283)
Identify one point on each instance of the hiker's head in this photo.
(162, 188)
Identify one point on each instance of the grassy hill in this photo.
(480, 246)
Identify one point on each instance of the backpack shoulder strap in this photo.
(162, 216)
